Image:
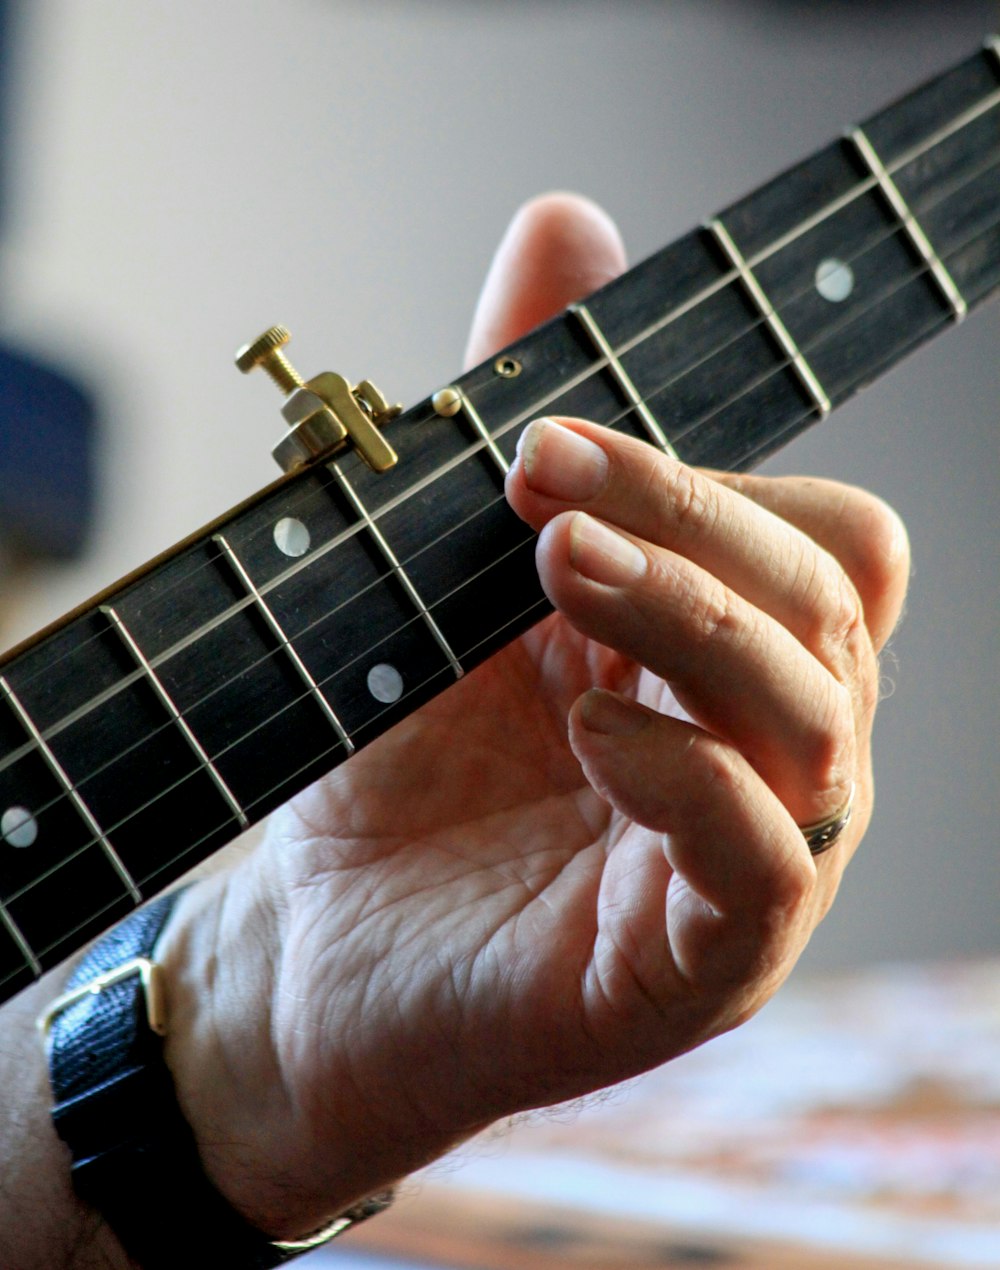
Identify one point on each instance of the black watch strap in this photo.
(134, 1155)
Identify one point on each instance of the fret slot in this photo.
(167, 702)
(476, 613)
(72, 793)
(776, 326)
(952, 296)
(125, 756)
(228, 675)
(398, 570)
(285, 643)
(464, 547)
(870, 337)
(748, 427)
(466, 408)
(52, 829)
(70, 904)
(629, 390)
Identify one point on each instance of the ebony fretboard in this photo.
(149, 729)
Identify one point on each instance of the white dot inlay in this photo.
(834, 280)
(291, 536)
(385, 683)
(18, 827)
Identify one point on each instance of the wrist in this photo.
(257, 1146)
(42, 1220)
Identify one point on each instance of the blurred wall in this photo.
(186, 173)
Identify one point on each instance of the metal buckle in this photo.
(151, 976)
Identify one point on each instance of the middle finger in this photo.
(755, 553)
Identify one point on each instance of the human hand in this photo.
(543, 882)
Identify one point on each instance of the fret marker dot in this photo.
(834, 280)
(18, 827)
(291, 536)
(385, 683)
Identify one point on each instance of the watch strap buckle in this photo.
(151, 977)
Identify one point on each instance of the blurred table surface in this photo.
(854, 1123)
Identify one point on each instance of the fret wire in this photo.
(803, 370)
(963, 119)
(396, 501)
(472, 414)
(803, 227)
(192, 638)
(540, 604)
(563, 387)
(57, 770)
(24, 947)
(165, 699)
(944, 280)
(886, 293)
(621, 377)
(397, 568)
(286, 644)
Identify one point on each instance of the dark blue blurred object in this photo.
(46, 421)
(46, 442)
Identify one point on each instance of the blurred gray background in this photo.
(185, 173)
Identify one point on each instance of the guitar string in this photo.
(280, 579)
(517, 621)
(314, 758)
(626, 412)
(192, 846)
(342, 668)
(115, 758)
(733, 278)
(66, 935)
(773, 371)
(594, 369)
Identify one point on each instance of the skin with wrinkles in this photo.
(582, 859)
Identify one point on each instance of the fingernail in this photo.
(560, 463)
(610, 715)
(602, 555)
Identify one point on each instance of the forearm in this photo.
(43, 1226)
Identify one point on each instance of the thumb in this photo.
(557, 249)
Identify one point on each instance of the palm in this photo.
(481, 792)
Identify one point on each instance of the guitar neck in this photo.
(151, 727)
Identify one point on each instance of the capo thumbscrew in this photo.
(265, 352)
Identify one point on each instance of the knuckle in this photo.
(832, 753)
(794, 883)
(845, 621)
(716, 771)
(840, 636)
(713, 615)
(693, 500)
